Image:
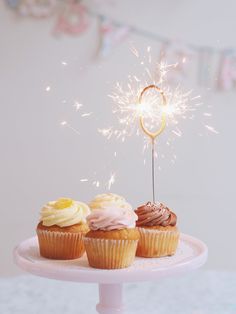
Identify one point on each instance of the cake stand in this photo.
(191, 254)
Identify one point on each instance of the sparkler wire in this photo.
(153, 171)
(153, 135)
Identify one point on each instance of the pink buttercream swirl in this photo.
(111, 219)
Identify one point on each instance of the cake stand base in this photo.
(191, 254)
(110, 299)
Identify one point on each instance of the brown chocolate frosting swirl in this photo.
(152, 214)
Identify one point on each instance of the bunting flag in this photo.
(110, 36)
(227, 71)
(34, 8)
(73, 18)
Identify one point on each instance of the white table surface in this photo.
(201, 292)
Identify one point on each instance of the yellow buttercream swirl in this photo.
(64, 212)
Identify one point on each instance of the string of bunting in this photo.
(72, 18)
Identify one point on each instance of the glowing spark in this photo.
(106, 132)
(96, 183)
(111, 181)
(66, 124)
(134, 51)
(207, 114)
(177, 132)
(86, 114)
(48, 88)
(211, 129)
(64, 63)
(115, 154)
(83, 180)
(77, 106)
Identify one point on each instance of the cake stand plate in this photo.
(191, 254)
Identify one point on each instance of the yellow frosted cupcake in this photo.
(159, 235)
(62, 228)
(112, 240)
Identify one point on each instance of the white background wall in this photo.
(42, 161)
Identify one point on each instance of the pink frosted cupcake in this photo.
(112, 240)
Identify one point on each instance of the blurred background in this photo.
(55, 59)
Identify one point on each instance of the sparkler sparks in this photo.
(111, 181)
(180, 105)
(211, 129)
(86, 114)
(129, 111)
(83, 180)
(96, 183)
(66, 124)
(77, 106)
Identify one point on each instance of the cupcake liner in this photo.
(157, 243)
(110, 254)
(60, 245)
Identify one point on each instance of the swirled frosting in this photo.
(109, 200)
(64, 212)
(152, 214)
(111, 212)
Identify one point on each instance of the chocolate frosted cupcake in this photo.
(159, 235)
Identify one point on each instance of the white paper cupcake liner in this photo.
(110, 254)
(60, 245)
(157, 243)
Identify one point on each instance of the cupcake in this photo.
(112, 240)
(62, 228)
(159, 235)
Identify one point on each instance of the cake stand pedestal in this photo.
(191, 254)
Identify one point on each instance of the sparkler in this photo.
(148, 102)
(140, 104)
(150, 134)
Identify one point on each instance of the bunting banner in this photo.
(73, 18)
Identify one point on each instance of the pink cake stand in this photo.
(191, 254)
